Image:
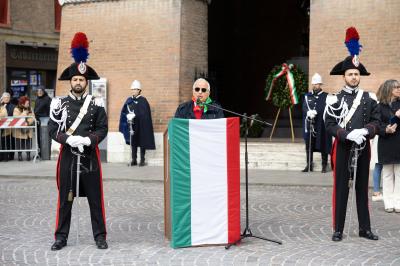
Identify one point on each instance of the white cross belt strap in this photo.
(353, 108)
(82, 113)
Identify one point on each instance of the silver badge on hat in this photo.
(82, 68)
(356, 61)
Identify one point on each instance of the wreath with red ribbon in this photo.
(285, 85)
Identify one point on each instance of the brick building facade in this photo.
(378, 25)
(29, 37)
(164, 43)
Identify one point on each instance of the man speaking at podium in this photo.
(198, 107)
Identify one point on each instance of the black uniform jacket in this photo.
(185, 110)
(366, 116)
(93, 125)
(388, 144)
(316, 101)
(142, 125)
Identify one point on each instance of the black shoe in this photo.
(101, 243)
(306, 169)
(142, 163)
(19, 157)
(28, 156)
(368, 235)
(337, 236)
(134, 162)
(59, 244)
(323, 169)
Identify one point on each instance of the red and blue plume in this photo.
(79, 47)
(351, 41)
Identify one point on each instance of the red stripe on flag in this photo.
(233, 168)
(333, 157)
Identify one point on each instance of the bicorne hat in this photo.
(352, 61)
(79, 51)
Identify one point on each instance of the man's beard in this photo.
(351, 85)
(78, 89)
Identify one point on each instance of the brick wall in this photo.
(144, 40)
(378, 25)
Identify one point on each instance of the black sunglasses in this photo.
(203, 90)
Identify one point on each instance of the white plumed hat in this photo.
(316, 79)
(136, 85)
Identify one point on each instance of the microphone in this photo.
(198, 101)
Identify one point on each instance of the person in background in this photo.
(137, 109)
(7, 140)
(376, 174)
(42, 110)
(24, 136)
(197, 107)
(389, 143)
(313, 123)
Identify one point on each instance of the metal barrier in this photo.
(18, 136)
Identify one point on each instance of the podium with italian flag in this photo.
(202, 182)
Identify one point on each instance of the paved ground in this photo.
(300, 216)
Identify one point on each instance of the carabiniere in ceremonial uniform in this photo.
(79, 123)
(352, 117)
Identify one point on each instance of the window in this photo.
(4, 13)
(57, 15)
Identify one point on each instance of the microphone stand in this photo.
(247, 231)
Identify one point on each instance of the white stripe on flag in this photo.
(208, 177)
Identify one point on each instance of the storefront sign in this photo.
(30, 57)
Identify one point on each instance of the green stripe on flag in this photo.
(180, 185)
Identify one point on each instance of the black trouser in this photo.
(134, 153)
(324, 156)
(90, 184)
(134, 146)
(341, 174)
(7, 143)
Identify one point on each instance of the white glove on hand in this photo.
(86, 141)
(130, 116)
(357, 135)
(311, 114)
(80, 148)
(74, 141)
(359, 140)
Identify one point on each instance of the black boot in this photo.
(306, 168)
(59, 244)
(134, 162)
(19, 156)
(324, 157)
(28, 156)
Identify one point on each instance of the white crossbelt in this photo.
(353, 108)
(82, 113)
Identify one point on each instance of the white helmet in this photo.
(316, 79)
(136, 85)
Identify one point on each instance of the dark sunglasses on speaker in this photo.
(203, 90)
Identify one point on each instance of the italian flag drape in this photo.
(205, 181)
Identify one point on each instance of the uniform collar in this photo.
(318, 92)
(350, 90)
(83, 96)
(136, 97)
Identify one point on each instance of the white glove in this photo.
(74, 141)
(357, 135)
(86, 141)
(130, 116)
(359, 140)
(80, 148)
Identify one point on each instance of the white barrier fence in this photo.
(17, 135)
